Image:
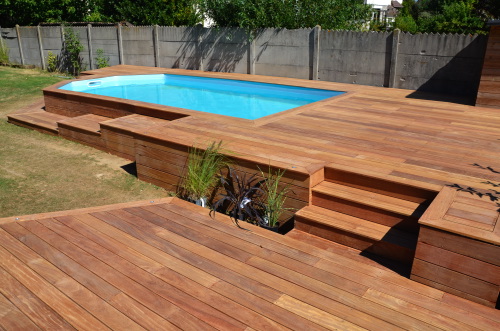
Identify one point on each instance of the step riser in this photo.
(384, 249)
(376, 185)
(359, 210)
(33, 126)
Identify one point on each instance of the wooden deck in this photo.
(388, 131)
(165, 265)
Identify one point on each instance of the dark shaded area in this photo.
(219, 50)
(130, 168)
(458, 81)
(403, 269)
(388, 59)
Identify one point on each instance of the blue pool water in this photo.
(234, 98)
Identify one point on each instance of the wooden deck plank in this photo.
(11, 318)
(30, 305)
(118, 267)
(264, 307)
(256, 279)
(78, 291)
(167, 240)
(57, 300)
(404, 289)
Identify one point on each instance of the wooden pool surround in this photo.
(389, 137)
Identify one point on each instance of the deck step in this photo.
(88, 124)
(357, 233)
(83, 129)
(382, 183)
(39, 120)
(368, 198)
(375, 207)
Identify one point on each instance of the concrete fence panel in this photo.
(30, 46)
(138, 46)
(10, 40)
(284, 53)
(225, 49)
(355, 57)
(449, 64)
(106, 38)
(178, 47)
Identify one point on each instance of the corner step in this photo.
(357, 233)
(372, 206)
(41, 121)
(369, 179)
(368, 198)
(83, 129)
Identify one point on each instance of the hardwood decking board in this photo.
(404, 290)
(57, 300)
(206, 266)
(253, 250)
(30, 305)
(250, 272)
(175, 296)
(62, 262)
(125, 284)
(12, 318)
(282, 276)
(438, 321)
(295, 250)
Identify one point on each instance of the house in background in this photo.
(384, 11)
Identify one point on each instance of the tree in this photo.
(290, 14)
(161, 12)
(140, 12)
(447, 16)
(33, 12)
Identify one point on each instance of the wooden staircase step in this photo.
(39, 120)
(356, 233)
(84, 129)
(380, 182)
(89, 124)
(368, 198)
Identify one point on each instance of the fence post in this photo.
(315, 55)
(156, 45)
(200, 46)
(89, 40)
(39, 35)
(2, 43)
(120, 43)
(251, 53)
(394, 58)
(20, 44)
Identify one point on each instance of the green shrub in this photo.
(70, 60)
(4, 53)
(275, 197)
(51, 62)
(203, 167)
(101, 60)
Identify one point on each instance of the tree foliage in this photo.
(161, 12)
(290, 14)
(139, 12)
(447, 16)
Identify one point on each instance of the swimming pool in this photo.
(242, 99)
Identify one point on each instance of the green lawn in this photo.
(42, 173)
